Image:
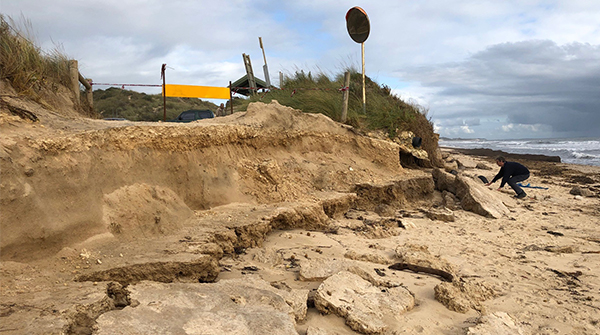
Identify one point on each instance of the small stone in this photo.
(578, 191)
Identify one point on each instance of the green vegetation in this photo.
(25, 66)
(37, 75)
(384, 110)
(115, 102)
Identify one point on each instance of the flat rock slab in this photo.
(496, 323)
(170, 269)
(227, 307)
(320, 269)
(418, 257)
(363, 305)
(478, 199)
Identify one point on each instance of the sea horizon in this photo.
(579, 150)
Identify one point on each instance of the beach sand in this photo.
(281, 238)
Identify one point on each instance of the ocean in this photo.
(584, 151)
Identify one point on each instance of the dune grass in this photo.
(383, 110)
(320, 94)
(24, 65)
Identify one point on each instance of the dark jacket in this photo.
(510, 169)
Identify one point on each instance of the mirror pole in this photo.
(364, 96)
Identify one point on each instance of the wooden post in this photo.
(74, 73)
(230, 98)
(265, 67)
(89, 96)
(345, 95)
(249, 73)
(280, 79)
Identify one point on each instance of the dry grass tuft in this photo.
(25, 66)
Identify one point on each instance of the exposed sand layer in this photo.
(274, 221)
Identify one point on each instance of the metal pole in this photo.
(362, 46)
(230, 98)
(164, 91)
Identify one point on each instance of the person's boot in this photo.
(521, 195)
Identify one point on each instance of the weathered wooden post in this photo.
(345, 95)
(89, 95)
(265, 68)
(249, 73)
(74, 74)
(280, 79)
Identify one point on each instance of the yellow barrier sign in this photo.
(190, 91)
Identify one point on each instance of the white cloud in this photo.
(520, 128)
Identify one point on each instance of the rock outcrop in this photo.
(473, 196)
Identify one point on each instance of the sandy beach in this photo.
(304, 227)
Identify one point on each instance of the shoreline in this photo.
(495, 153)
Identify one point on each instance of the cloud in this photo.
(530, 83)
(519, 128)
(522, 62)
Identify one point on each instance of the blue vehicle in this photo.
(193, 115)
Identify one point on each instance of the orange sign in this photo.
(190, 91)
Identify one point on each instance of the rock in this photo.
(451, 297)
(238, 306)
(319, 269)
(473, 196)
(437, 199)
(444, 181)
(336, 204)
(375, 276)
(441, 214)
(450, 201)
(450, 166)
(462, 295)
(406, 141)
(466, 162)
(368, 257)
(385, 210)
(307, 216)
(478, 199)
(173, 268)
(581, 191)
(483, 166)
(562, 249)
(420, 256)
(363, 305)
(320, 331)
(496, 323)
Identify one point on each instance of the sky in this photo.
(482, 69)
